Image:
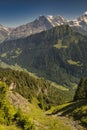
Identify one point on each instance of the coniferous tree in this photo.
(81, 92)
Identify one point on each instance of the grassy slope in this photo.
(75, 110)
(38, 117)
(43, 122)
(11, 118)
(34, 114)
(12, 127)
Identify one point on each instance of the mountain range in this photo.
(43, 23)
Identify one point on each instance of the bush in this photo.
(23, 121)
(7, 111)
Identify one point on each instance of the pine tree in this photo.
(81, 92)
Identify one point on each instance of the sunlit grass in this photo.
(72, 62)
(42, 121)
(61, 87)
(4, 55)
(75, 110)
(13, 127)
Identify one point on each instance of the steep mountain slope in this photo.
(59, 54)
(4, 33)
(56, 20)
(80, 24)
(43, 121)
(16, 113)
(30, 87)
(9, 116)
(78, 108)
(38, 25)
(76, 111)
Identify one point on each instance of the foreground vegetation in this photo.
(35, 118)
(24, 100)
(74, 110)
(9, 115)
(78, 108)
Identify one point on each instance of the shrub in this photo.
(23, 121)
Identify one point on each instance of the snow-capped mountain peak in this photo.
(85, 13)
(83, 18)
(55, 20)
(6, 29)
(50, 16)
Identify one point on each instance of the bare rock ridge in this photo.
(19, 101)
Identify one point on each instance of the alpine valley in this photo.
(43, 75)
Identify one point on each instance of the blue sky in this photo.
(16, 12)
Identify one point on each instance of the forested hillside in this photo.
(30, 87)
(10, 117)
(59, 54)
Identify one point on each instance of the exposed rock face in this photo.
(43, 23)
(80, 24)
(56, 21)
(12, 86)
(38, 25)
(19, 101)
